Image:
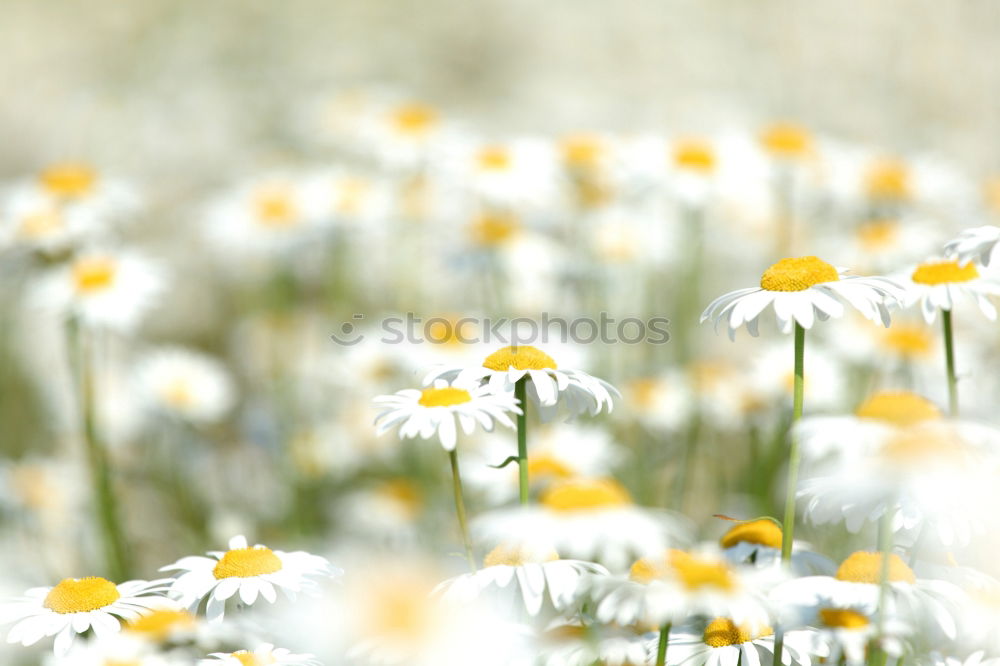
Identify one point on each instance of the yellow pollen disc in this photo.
(443, 397)
(888, 179)
(274, 206)
(523, 357)
(866, 567)
(494, 158)
(924, 445)
(250, 659)
(513, 555)
(178, 394)
(900, 408)
(843, 618)
(582, 151)
(908, 340)
(160, 624)
(797, 274)
(697, 573)
(414, 119)
(92, 274)
(349, 195)
(247, 563)
(878, 234)
(694, 155)
(723, 632)
(403, 492)
(786, 140)
(585, 494)
(547, 466)
(79, 595)
(643, 392)
(68, 180)
(763, 532)
(40, 224)
(491, 230)
(942, 272)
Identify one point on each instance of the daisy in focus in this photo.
(802, 290)
(245, 572)
(184, 384)
(723, 642)
(938, 284)
(264, 655)
(758, 543)
(76, 605)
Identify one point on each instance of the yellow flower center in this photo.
(991, 192)
(585, 494)
(443, 397)
(349, 195)
(797, 274)
(942, 272)
(69, 181)
(763, 532)
(547, 466)
(92, 274)
(843, 618)
(786, 140)
(878, 234)
(514, 555)
(40, 224)
(582, 151)
(79, 595)
(491, 230)
(866, 567)
(723, 632)
(274, 206)
(404, 493)
(900, 408)
(697, 573)
(161, 624)
(888, 179)
(247, 658)
(494, 158)
(247, 563)
(694, 155)
(923, 446)
(523, 357)
(178, 394)
(909, 341)
(414, 119)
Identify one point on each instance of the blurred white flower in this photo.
(184, 384)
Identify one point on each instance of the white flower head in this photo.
(244, 571)
(975, 244)
(802, 290)
(185, 384)
(264, 655)
(724, 642)
(434, 411)
(938, 284)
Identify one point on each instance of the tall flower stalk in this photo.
(521, 393)
(949, 361)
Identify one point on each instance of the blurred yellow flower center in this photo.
(404, 494)
(250, 659)
(68, 180)
(697, 573)
(491, 229)
(908, 340)
(584, 494)
(274, 206)
(843, 618)
(942, 272)
(888, 179)
(523, 357)
(443, 397)
(514, 555)
(763, 532)
(797, 274)
(582, 151)
(246, 563)
(92, 274)
(178, 394)
(546, 465)
(160, 624)
(414, 119)
(878, 234)
(786, 140)
(924, 446)
(694, 155)
(349, 195)
(900, 408)
(79, 595)
(723, 632)
(494, 158)
(866, 567)
(40, 224)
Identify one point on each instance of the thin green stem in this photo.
(949, 360)
(879, 656)
(521, 393)
(463, 523)
(661, 648)
(788, 527)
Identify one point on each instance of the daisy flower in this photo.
(974, 244)
(246, 572)
(103, 289)
(433, 412)
(846, 633)
(802, 290)
(76, 605)
(530, 571)
(938, 284)
(83, 187)
(758, 543)
(264, 655)
(576, 645)
(726, 643)
(184, 384)
(37, 221)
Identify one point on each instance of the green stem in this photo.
(115, 549)
(949, 360)
(788, 527)
(456, 482)
(661, 648)
(880, 657)
(521, 392)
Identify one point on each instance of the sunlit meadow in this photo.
(486, 333)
